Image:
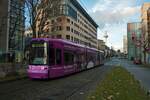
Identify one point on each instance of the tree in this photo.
(144, 42)
(141, 42)
(11, 26)
(39, 11)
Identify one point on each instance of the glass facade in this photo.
(72, 13)
(16, 25)
(133, 35)
(65, 9)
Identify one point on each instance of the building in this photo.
(145, 28)
(28, 33)
(125, 45)
(73, 23)
(101, 45)
(11, 25)
(148, 14)
(133, 40)
(148, 38)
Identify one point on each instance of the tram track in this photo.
(64, 88)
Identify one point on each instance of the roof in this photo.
(64, 41)
(82, 10)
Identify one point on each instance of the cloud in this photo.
(110, 12)
(112, 16)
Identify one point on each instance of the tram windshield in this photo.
(38, 54)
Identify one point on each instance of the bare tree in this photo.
(142, 42)
(32, 13)
(39, 12)
(12, 20)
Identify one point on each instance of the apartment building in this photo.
(11, 25)
(71, 22)
(101, 45)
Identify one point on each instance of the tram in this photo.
(52, 58)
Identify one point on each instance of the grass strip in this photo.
(119, 84)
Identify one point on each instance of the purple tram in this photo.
(51, 58)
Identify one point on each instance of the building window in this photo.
(68, 20)
(59, 28)
(52, 21)
(68, 28)
(28, 35)
(52, 29)
(72, 30)
(59, 36)
(59, 19)
(76, 32)
(72, 38)
(72, 13)
(63, 9)
(68, 37)
(78, 21)
(72, 22)
(47, 23)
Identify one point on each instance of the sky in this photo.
(112, 16)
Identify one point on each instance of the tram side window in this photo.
(68, 58)
(51, 56)
(58, 56)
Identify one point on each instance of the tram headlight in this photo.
(30, 67)
(43, 68)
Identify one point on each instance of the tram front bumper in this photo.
(38, 75)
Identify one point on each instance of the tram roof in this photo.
(65, 41)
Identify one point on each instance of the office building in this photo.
(133, 40)
(11, 25)
(71, 22)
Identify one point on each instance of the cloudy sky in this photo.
(112, 16)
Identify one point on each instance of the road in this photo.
(140, 73)
(73, 87)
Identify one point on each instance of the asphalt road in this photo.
(140, 73)
(73, 87)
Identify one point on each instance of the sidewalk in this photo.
(8, 72)
(141, 73)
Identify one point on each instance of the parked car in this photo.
(137, 61)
